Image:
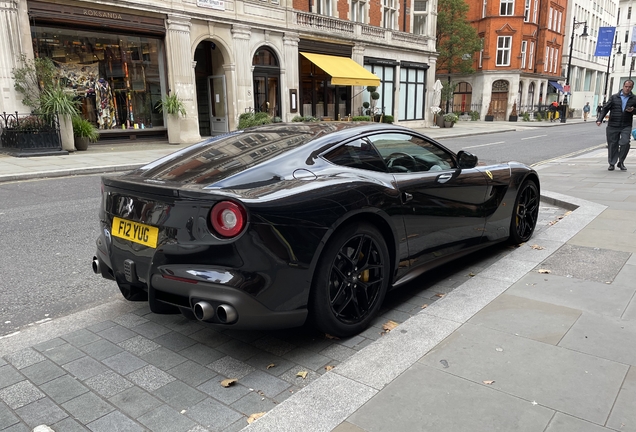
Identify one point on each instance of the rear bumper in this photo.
(179, 286)
(251, 314)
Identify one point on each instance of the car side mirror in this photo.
(466, 160)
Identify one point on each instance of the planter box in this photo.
(490, 118)
(513, 118)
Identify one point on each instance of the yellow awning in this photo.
(343, 70)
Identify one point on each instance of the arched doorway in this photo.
(499, 100)
(266, 82)
(211, 91)
(462, 98)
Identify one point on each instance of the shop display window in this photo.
(117, 78)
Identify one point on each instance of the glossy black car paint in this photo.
(295, 201)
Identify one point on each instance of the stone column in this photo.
(11, 37)
(357, 55)
(181, 75)
(241, 35)
(291, 77)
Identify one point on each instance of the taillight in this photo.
(228, 218)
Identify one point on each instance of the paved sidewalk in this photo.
(536, 338)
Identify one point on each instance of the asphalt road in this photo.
(47, 236)
(532, 146)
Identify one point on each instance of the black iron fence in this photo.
(29, 132)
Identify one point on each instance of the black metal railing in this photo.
(29, 132)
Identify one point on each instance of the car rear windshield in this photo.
(220, 158)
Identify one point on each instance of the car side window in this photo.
(403, 152)
(358, 153)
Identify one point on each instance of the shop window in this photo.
(412, 90)
(117, 79)
(387, 84)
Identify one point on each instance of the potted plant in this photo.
(439, 118)
(489, 115)
(174, 107)
(54, 101)
(513, 114)
(84, 132)
(450, 119)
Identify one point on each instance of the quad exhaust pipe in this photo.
(204, 311)
(96, 267)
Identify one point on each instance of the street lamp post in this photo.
(608, 68)
(567, 77)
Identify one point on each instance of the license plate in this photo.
(135, 232)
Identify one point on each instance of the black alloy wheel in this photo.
(351, 281)
(525, 212)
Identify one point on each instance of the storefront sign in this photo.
(212, 4)
(111, 19)
(102, 14)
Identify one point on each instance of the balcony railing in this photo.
(328, 25)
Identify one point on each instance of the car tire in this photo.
(351, 281)
(524, 213)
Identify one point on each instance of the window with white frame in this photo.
(389, 12)
(526, 11)
(324, 7)
(550, 54)
(556, 59)
(503, 50)
(629, 12)
(524, 46)
(554, 23)
(535, 13)
(359, 11)
(559, 23)
(506, 7)
(531, 56)
(481, 53)
(420, 16)
(547, 59)
(550, 19)
(483, 9)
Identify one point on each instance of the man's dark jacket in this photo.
(618, 118)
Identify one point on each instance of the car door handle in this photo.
(443, 178)
(406, 197)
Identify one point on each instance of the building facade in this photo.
(622, 64)
(224, 58)
(519, 65)
(525, 53)
(589, 73)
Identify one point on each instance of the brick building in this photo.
(520, 59)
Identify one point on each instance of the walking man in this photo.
(586, 111)
(619, 126)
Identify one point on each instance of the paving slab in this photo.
(520, 316)
(577, 384)
(588, 263)
(446, 402)
(623, 417)
(604, 337)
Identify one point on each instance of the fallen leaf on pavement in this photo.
(568, 213)
(424, 306)
(440, 295)
(302, 374)
(329, 367)
(271, 365)
(389, 325)
(251, 419)
(544, 271)
(537, 247)
(328, 336)
(488, 382)
(471, 274)
(228, 382)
